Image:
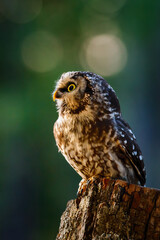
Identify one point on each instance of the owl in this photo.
(90, 131)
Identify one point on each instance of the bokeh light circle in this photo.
(41, 51)
(21, 11)
(105, 54)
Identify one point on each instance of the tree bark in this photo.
(112, 209)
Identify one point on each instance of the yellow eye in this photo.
(71, 87)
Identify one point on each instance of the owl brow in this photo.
(64, 89)
(70, 83)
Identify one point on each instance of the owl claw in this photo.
(92, 179)
(84, 184)
(82, 187)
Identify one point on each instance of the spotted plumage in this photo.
(90, 131)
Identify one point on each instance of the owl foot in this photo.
(82, 187)
(84, 183)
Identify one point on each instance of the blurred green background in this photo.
(39, 40)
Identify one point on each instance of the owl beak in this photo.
(56, 95)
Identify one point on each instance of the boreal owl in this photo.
(90, 131)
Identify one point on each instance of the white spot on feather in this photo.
(134, 153)
(122, 135)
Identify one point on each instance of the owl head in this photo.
(78, 91)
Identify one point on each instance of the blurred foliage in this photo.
(35, 181)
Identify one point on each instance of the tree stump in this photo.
(112, 209)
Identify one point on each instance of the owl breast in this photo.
(89, 147)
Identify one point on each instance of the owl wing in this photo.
(130, 148)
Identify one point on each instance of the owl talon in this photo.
(84, 184)
(82, 187)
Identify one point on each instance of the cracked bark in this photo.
(112, 209)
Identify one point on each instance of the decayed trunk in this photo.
(110, 209)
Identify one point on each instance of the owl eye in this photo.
(71, 87)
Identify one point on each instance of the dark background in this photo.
(39, 40)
